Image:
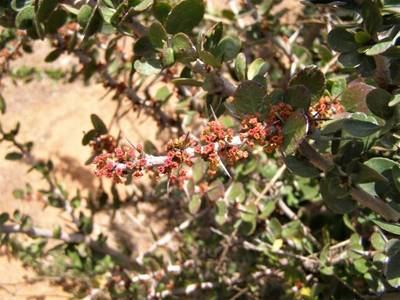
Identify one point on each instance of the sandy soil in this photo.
(54, 116)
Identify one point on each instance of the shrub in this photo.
(290, 189)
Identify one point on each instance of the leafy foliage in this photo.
(291, 191)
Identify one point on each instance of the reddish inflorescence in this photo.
(216, 144)
(104, 143)
(325, 108)
(120, 162)
(276, 117)
(177, 158)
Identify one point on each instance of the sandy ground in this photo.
(54, 116)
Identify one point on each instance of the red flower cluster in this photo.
(177, 157)
(326, 107)
(215, 140)
(120, 162)
(217, 143)
(276, 117)
(253, 131)
(105, 142)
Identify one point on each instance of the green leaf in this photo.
(3, 104)
(339, 39)
(298, 96)
(228, 48)
(313, 79)
(216, 190)
(362, 37)
(195, 204)
(395, 100)
(301, 167)
(46, 7)
(383, 189)
(209, 58)
(162, 94)
(336, 196)
(57, 232)
(13, 156)
(98, 124)
(294, 131)
(144, 48)
(379, 48)
(157, 35)
(84, 15)
(187, 82)
(249, 97)
(354, 97)
(396, 176)
(372, 16)
(17, 5)
(185, 16)
(89, 136)
(161, 10)
(53, 55)
(168, 57)
(378, 103)
(147, 67)
(213, 37)
(143, 5)
(199, 169)
(236, 193)
(377, 241)
(389, 227)
(361, 173)
(392, 267)
(337, 86)
(18, 194)
(240, 66)
(93, 24)
(25, 17)
(222, 212)
(4, 217)
(350, 59)
(183, 47)
(257, 68)
(359, 128)
(107, 13)
(56, 20)
(249, 213)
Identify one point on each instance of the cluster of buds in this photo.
(103, 143)
(121, 162)
(217, 144)
(177, 158)
(253, 131)
(325, 108)
(276, 118)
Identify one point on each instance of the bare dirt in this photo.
(54, 116)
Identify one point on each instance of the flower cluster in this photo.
(177, 157)
(215, 140)
(253, 131)
(120, 162)
(275, 120)
(216, 144)
(325, 108)
(103, 143)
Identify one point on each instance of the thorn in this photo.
(224, 168)
(213, 113)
